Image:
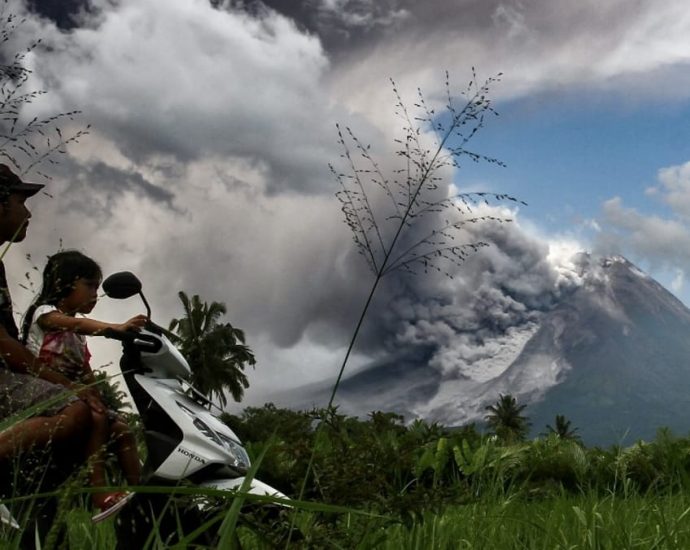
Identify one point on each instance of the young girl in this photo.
(54, 332)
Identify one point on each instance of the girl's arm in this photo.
(55, 320)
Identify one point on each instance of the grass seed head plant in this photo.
(408, 220)
(420, 227)
(27, 143)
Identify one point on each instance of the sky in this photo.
(213, 123)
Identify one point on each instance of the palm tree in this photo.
(506, 420)
(562, 429)
(111, 394)
(215, 351)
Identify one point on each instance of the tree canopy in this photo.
(215, 351)
(506, 420)
(563, 428)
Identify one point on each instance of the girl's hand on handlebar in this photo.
(135, 324)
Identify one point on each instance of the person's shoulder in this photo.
(40, 311)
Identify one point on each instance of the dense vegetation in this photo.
(414, 474)
(378, 483)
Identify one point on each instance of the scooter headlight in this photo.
(208, 432)
(240, 457)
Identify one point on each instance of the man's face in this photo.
(14, 218)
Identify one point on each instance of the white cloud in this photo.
(651, 239)
(181, 78)
(206, 170)
(624, 48)
(675, 188)
(657, 241)
(678, 282)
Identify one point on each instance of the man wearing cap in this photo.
(23, 383)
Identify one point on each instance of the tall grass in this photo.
(445, 490)
(586, 521)
(408, 220)
(582, 522)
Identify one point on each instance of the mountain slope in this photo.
(628, 342)
(612, 354)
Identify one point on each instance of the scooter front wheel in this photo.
(155, 520)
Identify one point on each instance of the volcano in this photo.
(612, 355)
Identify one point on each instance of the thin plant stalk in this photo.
(361, 218)
(429, 166)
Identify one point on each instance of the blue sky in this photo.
(565, 156)
(206, 167)
(568, 154)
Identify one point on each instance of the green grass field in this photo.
(563, 522)
(377, 483)
(586, 522)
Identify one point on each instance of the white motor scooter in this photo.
(185, 442)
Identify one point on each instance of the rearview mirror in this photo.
(124, 284)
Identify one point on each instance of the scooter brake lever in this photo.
(122, 336)
(146, 344)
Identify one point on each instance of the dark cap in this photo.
(11, 183)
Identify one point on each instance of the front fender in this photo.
(256, 487)
(6, 517)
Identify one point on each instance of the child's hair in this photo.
(59, 275)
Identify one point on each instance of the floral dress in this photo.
(20, 391)
(62, 350)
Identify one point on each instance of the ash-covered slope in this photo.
(612, 354)
(627, 342)
(397, 384)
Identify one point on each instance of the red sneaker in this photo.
(111, 505)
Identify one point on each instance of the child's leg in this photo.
(95, 447)
(71, 422)
(126, 450)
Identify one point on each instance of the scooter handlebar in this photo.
(121, 335)
(145, 342)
